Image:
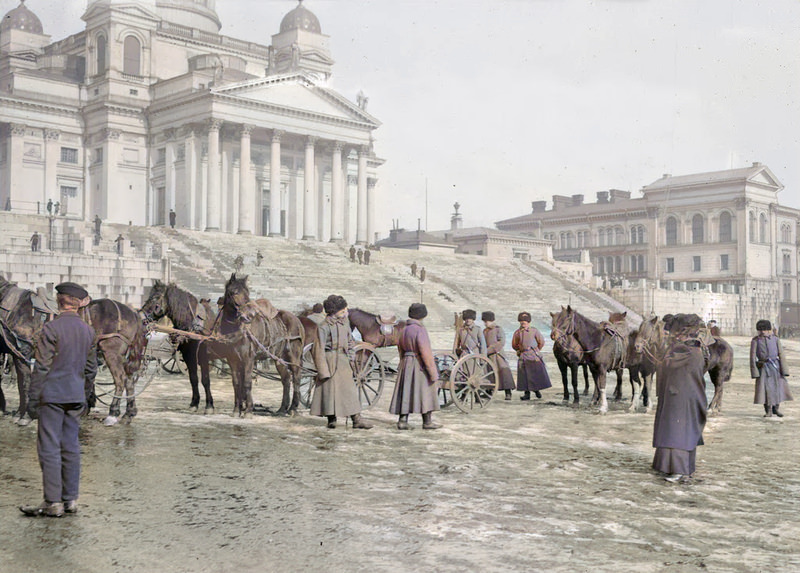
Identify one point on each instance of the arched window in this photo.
(751, 219)
(618, 264)
(641, 263)
(620, 238)
(610, 236)
(132, 55)
(672, 231)
(633, 235)
(697, 229)
(601, 238)
(763, 235)
(786, 233)
(101, 54)
(633, 264)
(601, 267)
(610, 265)
(725, 232)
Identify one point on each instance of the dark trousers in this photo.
(59, 450)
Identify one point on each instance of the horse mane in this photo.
(180, 304)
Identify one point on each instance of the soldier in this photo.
(469, 338)
(172, 217)
(422, 275)
(531, 372)
(335, 394)
(360, 255)
(49, 206)
(367, 255)
(352, 253)
(119, 240)
(259, 258)
(495, 342)
(416, 389)
(35, 240)
(413, 269)
(317, 313)
(62, 383)
(769, 370)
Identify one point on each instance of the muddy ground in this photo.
(520, 487)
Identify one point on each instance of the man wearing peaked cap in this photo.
(72, 289)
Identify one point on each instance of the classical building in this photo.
(150, 108)
(722, 232)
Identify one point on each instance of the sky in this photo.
(497, 103)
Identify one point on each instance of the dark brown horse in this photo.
(247, 331)
(652, 342)
(190, 315)
(603, 345)
(569, 357)
(373, 330)
(121, 341)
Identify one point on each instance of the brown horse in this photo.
(189, 315)
(569, 357)
(372, 330)
(247, 331)
(603, 345)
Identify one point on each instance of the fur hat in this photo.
(487, 316)
(72, 289)
(469, 313)
(763, 324)
(317, 307)
(524, 316)
(417, 311)
(334, 304)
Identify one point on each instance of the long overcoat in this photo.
(336, 393)
(681, 409)
(469, 340)
(531, 372)
(768, 367)
(415, 391)
(495, 342)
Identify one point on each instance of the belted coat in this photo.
(416, 389)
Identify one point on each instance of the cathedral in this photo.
(149, 109)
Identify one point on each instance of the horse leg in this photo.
(585, 379)
(130, 407)
(233, 364)
(618, 389)
(114, 364)
(287, 389)
(716, 401)
(574, 375)
(295, 358)
(562, 366)
(648, 387)
(23, 383)
(601, 389)
(189, 353)
(205, 376)
(636, 385)
(246, 376)
(595, 377)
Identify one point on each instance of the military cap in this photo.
(524, 316)
(417, 311)
(469, 313)
(72, 289)
(487, 316)
(763, 324)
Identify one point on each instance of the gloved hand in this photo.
(91, 400)
(33, 409)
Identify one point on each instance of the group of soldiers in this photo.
(363, 255)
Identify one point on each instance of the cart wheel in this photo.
(308, 377)
(444, 365)
(369, 375)
(473, 383)
(105, 389)
(173, 364)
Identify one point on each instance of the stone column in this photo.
(371, 202)
(309, 192)
(191, 179)
(169, 171)
(14, 183)
(214, 200)
(52, 155)
(337, 194)
(247, 200)
(361, 207)
(275, 185)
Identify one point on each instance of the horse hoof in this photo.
(208, 411)
(193, 408)
(110, 421)
(248, 416)
(24, 421)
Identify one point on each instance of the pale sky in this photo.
(497, 103)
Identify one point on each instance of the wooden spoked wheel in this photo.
(369, 375)
(473, 383)
(174, 364)
(308, 377)
(445, 361)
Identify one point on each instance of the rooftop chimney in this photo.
(617, 194)
(756, 164)
(602, 196)
(538, 206)
(560, 202)
(577, 200)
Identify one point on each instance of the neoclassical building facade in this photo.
(150, 109)
(724, 231)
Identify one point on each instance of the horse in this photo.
(604, 346)
(374, 329)
(121, 340)
(651, 343)
(189, 315)
(569, 356)
(246, 331)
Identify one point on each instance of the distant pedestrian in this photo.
(422, 275)
(172, 217)
(352, 253)
(49, 206)
(8, 204)
(119, 241)
(56, 208)
(259, 258)
(360, 255)
(238, 263)
(531, 372)
(413, 269)
(366, 256)
(769, 370)
(35, 240)
(97, 223)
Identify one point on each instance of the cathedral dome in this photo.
(20, 18)
(301, 19)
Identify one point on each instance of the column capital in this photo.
(352, 179)
(170, 133)
(52, 134)
(17, 128)
(246, 129)
(277, 134)
(363, 150)
(311, 140)
(372, 182)
(214, 124)
(337, 146)
(113, 134)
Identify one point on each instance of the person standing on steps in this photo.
(62, 383)
(495, 342)
(414, 269)
(531, 372)
(352, 253)
(422, 275)
(360, 255)
(35, 241)
(335, 394)
(367, 255)
(769, 370)
(172, 217)
(416, 389)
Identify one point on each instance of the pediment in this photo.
(764, 177)
(297, 93)
(129, 8)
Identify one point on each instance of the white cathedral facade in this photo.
(150, 109)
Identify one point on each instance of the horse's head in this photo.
(237, 294)
(617, 316)
(562, 323)
(651, 332)
(156, 305)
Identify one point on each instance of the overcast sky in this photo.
(497, 103)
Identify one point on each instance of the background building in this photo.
(149, 109)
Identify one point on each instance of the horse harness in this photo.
(608, 328)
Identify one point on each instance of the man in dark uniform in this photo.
(367, 255)
(413, 269)
(61, 384)
(352, 253)
(35, 242)
(172, 216)
(360, 255)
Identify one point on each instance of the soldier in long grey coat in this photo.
(769, 370)
(532, 374)
(417, 378)
(495, 342)
(336, 394)
(469, 337)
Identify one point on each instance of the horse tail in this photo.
(136, 350)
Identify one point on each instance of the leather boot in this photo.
(402, 422)
(331, 422)
(359, 423)
(508, 394)
(525, 396)
(768, 411)
(537, 393)
(428, 423)
(776, 411)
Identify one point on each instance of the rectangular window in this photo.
(69, 155)
(787, 291)
(98, 155)
(696, 266)
(670, 265)
(787, 263)
(723, 262)
(161, 156)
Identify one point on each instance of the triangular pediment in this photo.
(299, 93)
(129, 8)
(764, 177)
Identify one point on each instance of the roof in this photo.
(711, 177)
(301, 18)
(20, 18)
